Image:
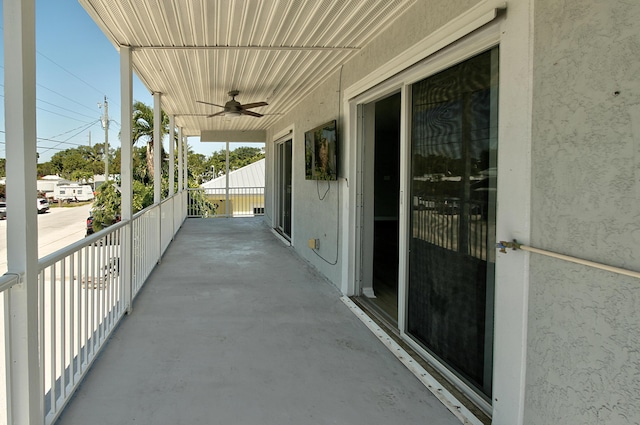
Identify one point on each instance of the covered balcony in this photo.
(165, 319)
(473, 159)
(233, 327)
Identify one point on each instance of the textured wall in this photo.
(583, 358)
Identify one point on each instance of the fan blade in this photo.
(216, 114)
(207, 103)
(251, 113)
(254, 105)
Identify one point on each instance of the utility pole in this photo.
(105, 125)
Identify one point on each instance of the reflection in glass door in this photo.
(452, 223)
(283, 188)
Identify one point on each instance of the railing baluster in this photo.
(91, 288)
(78, 318)
(63, 328)
(41, 328)
(52, 332)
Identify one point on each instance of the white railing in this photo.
(80, 293)
(83, 292)
(145, 251)
(220, 202)
(166, 223)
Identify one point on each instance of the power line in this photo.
(69, 72)
(68, 131)
(58, 106)
(74, 135)
(66, 97)
(59, 142)
(65, 109)
(2, 142)
(56, 113)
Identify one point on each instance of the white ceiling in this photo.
(270, 50)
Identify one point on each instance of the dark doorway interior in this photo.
(386, 205)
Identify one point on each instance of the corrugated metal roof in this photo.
(270, 50)
(251, 175)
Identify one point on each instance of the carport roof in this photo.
(276, 51)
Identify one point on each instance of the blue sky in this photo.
(76, 66)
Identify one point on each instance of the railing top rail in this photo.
(142, 212)
(53, 258)
(8, 280)
(194, 189)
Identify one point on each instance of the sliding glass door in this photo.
(452, 221)
(283, 188)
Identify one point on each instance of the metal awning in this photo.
(276, 51)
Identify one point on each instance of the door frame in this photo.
(279, 142)
(479, 29)
(482, 40)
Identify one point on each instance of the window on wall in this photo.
(452, 225)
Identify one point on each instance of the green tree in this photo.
(107, 205)
(46, 169)
(197, 167)
(79, 163)
(215, 165)
(142, 129)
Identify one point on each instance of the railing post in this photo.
(172, 177)
(24, 385)
(185, 161)
(126, 172)
(180, 160)
(157, 165)
(226, 191)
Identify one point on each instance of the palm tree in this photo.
(142, 129)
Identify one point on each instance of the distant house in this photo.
(48, 183)
(251, 175)
(245, 195)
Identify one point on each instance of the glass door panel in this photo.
(452, 223)
(283, 188)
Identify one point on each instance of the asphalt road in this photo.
(56, 229)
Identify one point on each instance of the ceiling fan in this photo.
(233, 108)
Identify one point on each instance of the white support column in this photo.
(172, 144)
(172, 172)
(226, 185)
(185, 152)
(180, 160)
(157, 166)
(24, 391)
(126, 170)
(157, 148)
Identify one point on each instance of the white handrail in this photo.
(514, 245)
(56, 256)
(8, 280)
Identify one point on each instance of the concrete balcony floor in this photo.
(234, 328)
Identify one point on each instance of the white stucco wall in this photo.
(583, 358)
(310, 217)
(315, 218)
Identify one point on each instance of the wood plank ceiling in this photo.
(270, 50)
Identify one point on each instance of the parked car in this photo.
(89, 225)
(3, 210)
(43, 205)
